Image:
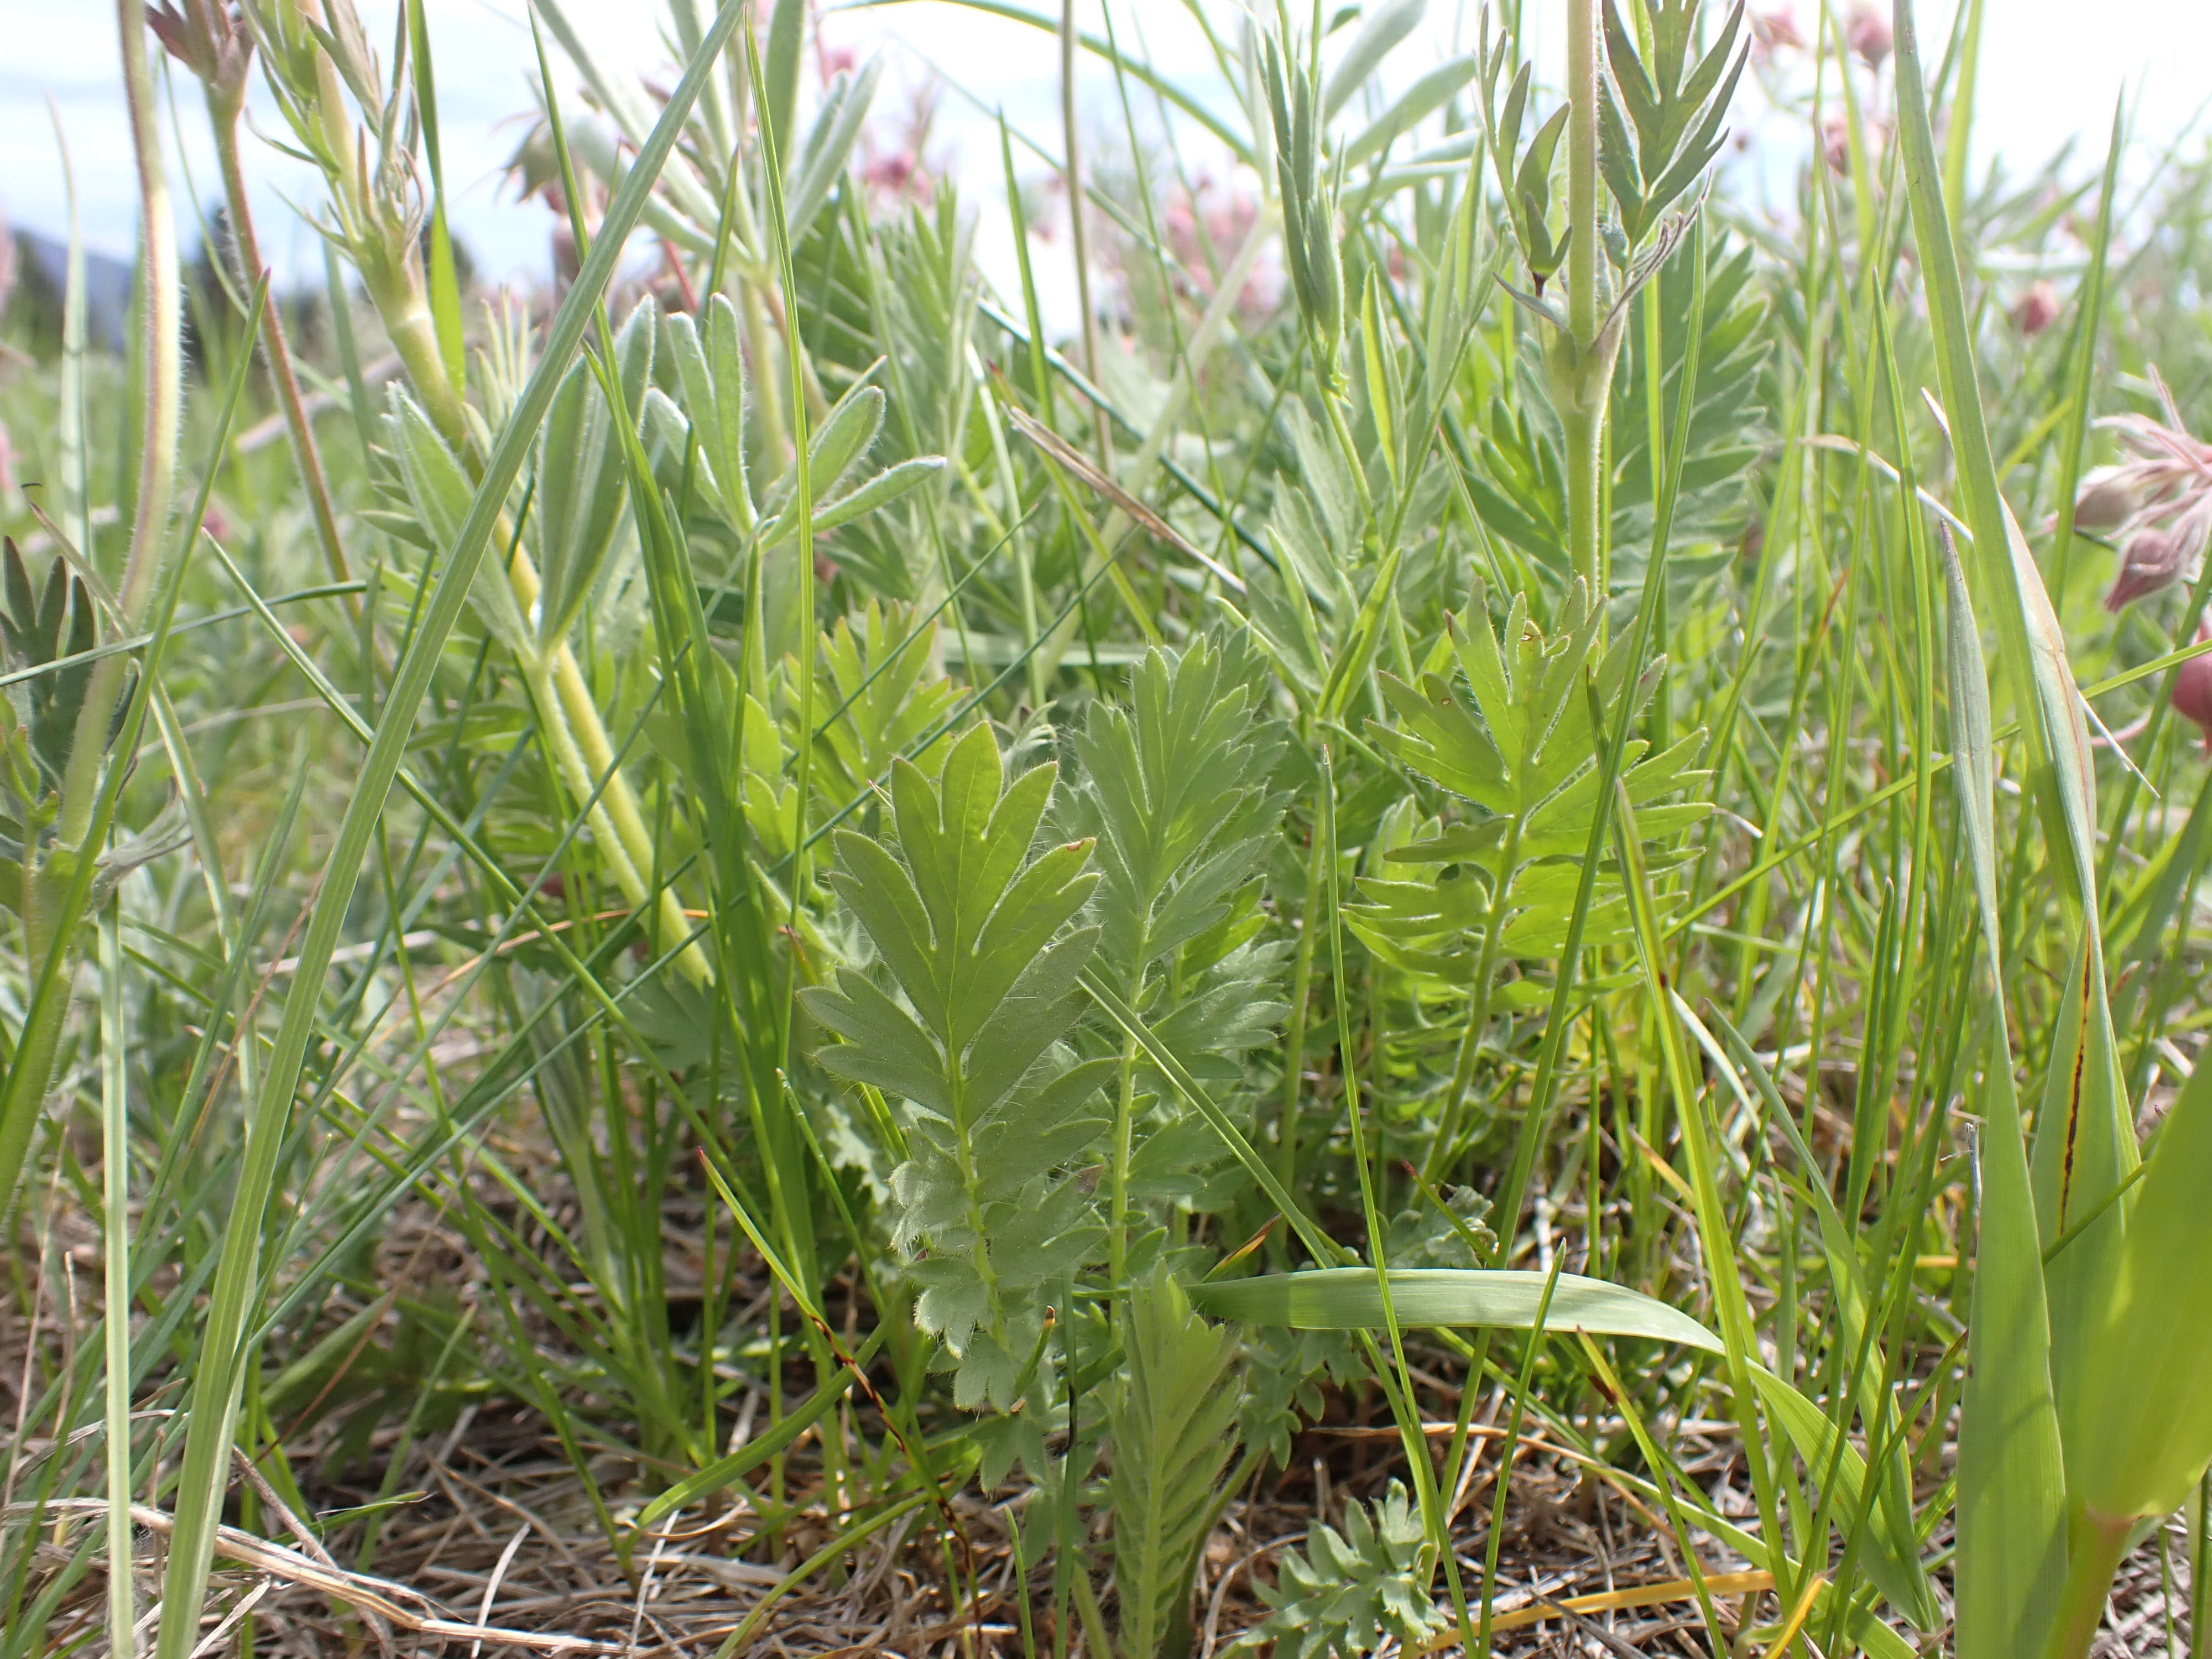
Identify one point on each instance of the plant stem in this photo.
(157, 455)
(1584, 431)
(1580, 361)
(580, 747)
(1079, 241)
(2200, 1560)
(223, 112)
(1583, 244)
(1286, 1132)
(2097, 1545)
(575, 732)
(1124, 1112)
(115, 1226)
(776, 440)
(40, 1041)
(405, 310)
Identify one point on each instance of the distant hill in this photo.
(42, 278)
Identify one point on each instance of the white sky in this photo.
(2051, 69)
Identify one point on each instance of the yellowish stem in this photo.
(584, 754)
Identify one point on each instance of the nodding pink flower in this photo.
(1774, 32)
(1836, 142)
(892, 174)
(2035, 310)
(2152, 562)
(2156, 505)
(1869, 34)
(2106, 499)
(2192, 689)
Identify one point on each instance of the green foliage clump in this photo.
(1350, 1592)
(972, 930)
(852, 909)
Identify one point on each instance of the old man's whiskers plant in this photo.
(952, 966)
(1675, 99)
(968, 925)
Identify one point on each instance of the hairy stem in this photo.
(1584, 432)
(223, 112)
(571, 717)
(971, 1188)
(1582, 372)
(586, 754)
(1125, 1113)
(405, 308)
(157, 455)
(1582, 246)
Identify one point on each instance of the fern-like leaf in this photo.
(877, 692)
(1173, 1420)
(1515, 738)
(1176, 790)
(1353, 1590)
(972, 930)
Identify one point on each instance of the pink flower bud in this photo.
(1836, 142)
(2192, 689)
(2035, 310)
(2153, 561)
(1774, 32)
(2106, 501)
(1869, 34)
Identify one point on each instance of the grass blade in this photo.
(1349, 1298)
(2011, 1502)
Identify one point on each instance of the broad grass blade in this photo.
(2011, 1503)
(2146, 1410)
(2085, 1141)
(1349, 1298)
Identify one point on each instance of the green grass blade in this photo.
(1348, 1298)
(1903, 1579)
(2147, 1411)
(2082, 360)
(1185, 101)
(2085, 1141)
(2011, 1501)
(115, 1176)
(2032, 648)
(762, 1446)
